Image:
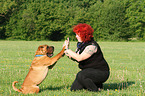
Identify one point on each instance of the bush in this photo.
(54, 19)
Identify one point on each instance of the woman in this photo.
(94, 68)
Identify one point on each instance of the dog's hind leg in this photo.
(35, 89)
(30, 89)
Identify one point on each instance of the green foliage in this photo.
(6, 8)
(135, 14)
(54, 19)
(109, 23)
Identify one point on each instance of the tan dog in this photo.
(39, 69)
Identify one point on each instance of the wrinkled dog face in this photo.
(45, 50)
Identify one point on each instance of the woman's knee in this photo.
(80, 76)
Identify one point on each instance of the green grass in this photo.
(126, 61)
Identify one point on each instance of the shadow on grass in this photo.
(122, 85)
(51, 88)
(110, 86)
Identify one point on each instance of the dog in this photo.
(39, 69)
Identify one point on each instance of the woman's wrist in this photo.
(66, 48)
(67, 53)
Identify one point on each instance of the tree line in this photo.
(114, 20)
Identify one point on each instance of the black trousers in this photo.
(90, 79)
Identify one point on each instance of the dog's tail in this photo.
(13, 85)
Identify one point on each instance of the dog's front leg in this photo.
(51, 66)
(50, 61)
(58, 56)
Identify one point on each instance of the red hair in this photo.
(85, 31)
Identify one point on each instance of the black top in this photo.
(96, 61)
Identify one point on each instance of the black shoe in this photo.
(100, 86)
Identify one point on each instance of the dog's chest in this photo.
(41, 73)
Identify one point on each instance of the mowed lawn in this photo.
(126, 61)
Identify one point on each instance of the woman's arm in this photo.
(88, 51)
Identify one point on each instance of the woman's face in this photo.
(79, 38)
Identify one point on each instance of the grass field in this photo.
(126, 61)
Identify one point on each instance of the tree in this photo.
(135, 14)
(6, 9)
(109, 21)
(54, 19)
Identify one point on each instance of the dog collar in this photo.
(38, 55)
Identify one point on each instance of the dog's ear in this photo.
(39, 50)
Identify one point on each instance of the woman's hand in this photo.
(66, 43)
